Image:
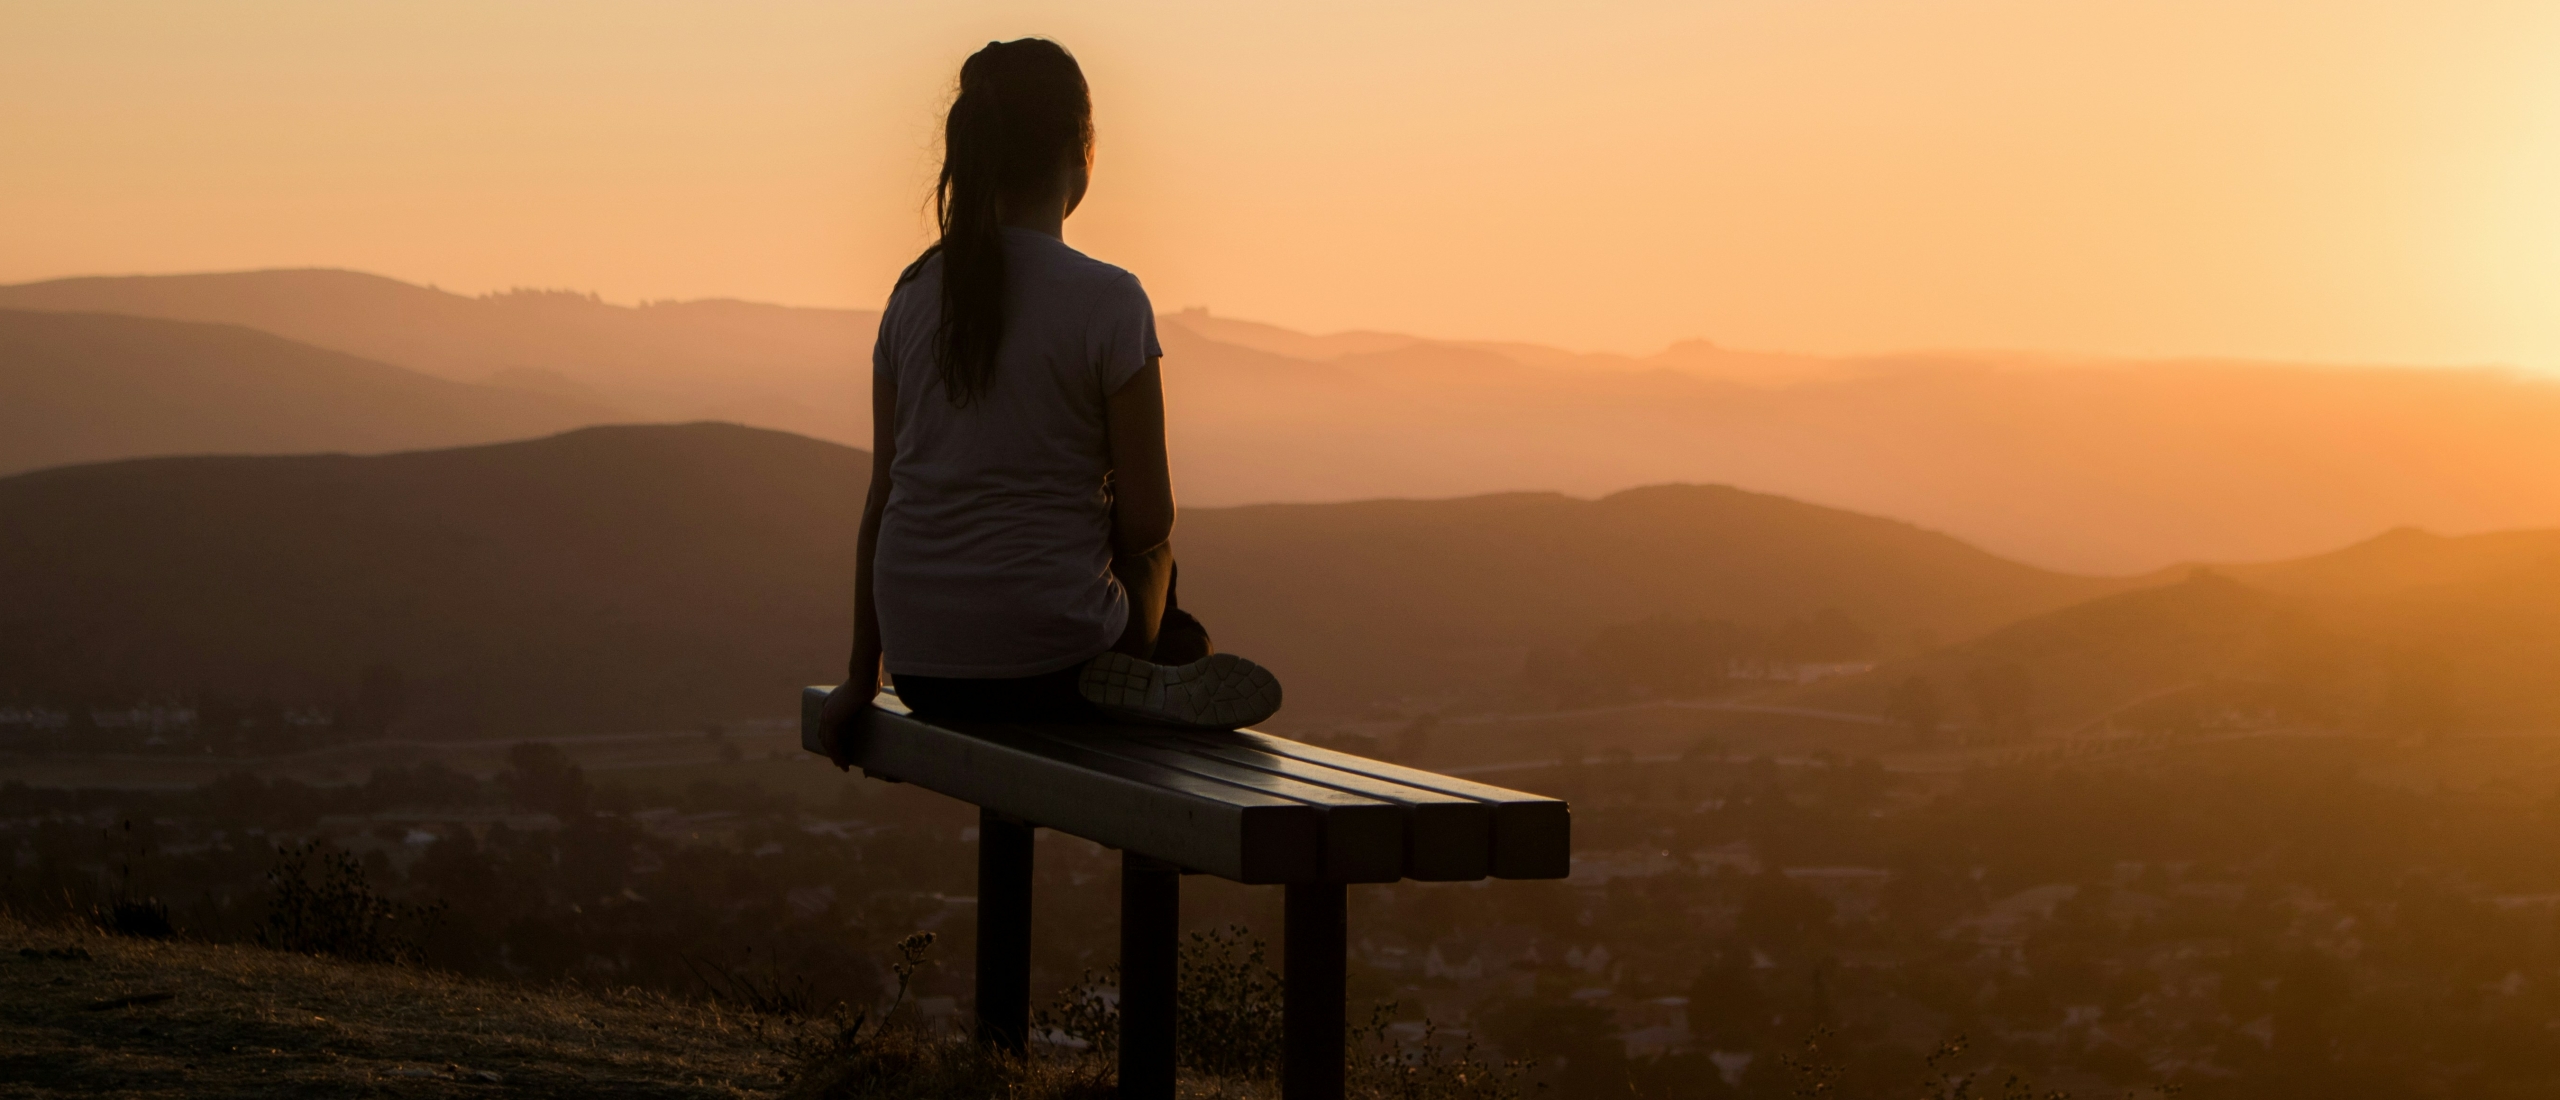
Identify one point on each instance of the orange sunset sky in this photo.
(2315, 179)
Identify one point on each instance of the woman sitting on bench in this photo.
(1014, 563)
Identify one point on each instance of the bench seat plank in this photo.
(1532, 834)
(1198, 823)
(1364, 838)
(1447, 838)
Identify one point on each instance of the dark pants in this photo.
(1049, 697)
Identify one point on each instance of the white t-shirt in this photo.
(994, 557)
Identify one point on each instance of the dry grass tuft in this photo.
(902, 1064)
(907, 1064)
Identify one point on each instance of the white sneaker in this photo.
(1220, 691)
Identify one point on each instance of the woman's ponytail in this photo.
(1022, 115)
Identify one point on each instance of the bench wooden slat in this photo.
(1364, 838)
(1246, 806)
(1447, 838)
(1532, 834)
(1199, 823)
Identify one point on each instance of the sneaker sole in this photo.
(1220, 691)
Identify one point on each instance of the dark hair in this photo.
(1023, 113)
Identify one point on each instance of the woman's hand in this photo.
(839, 720)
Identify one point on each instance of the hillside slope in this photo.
(85, 387)
(2473, 619)
(2408, 633)
(653, 577)
(2405, 563)
(229, 1021)
(1388, 599)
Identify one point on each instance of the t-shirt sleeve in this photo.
(1125, 335)
(882, 361)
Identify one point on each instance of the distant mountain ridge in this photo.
(803, 370)
(87, 387)
(648, 577)
(2084, 465)
(2090, 467)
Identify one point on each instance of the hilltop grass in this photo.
(88, 1014)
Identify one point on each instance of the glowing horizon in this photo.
(2263, 179)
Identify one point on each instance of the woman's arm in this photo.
(862, 671)
(865, 666)
(1141, 505)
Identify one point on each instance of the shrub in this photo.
(141, 918)
(853, 1054)
(840, 1034)
(1227, 1021)
(1428, 1069)
(1227, 1013)
(322, 904)
(1087, 1015)
(1226, 1010)
(128, 913)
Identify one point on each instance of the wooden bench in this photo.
(1243, 806)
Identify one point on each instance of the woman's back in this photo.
(995, 546)
(1015, 562)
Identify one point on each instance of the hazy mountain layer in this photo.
(2092, 466)
(803, 370)
(2096, 467)
(626, 578)
(82, 387)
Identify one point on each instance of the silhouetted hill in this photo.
(648, 577)
(2477, 616)
(82, 387)
(2408, 633)
(804, 370)
(2406, 562)
(1380, 599)
(2085, 661)
(608, 578)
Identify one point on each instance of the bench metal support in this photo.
(1312, 991)
(1004, 931)
(1150, 923)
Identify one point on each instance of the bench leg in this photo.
(1004, 931)
(1312, 992)
(1150, 923)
